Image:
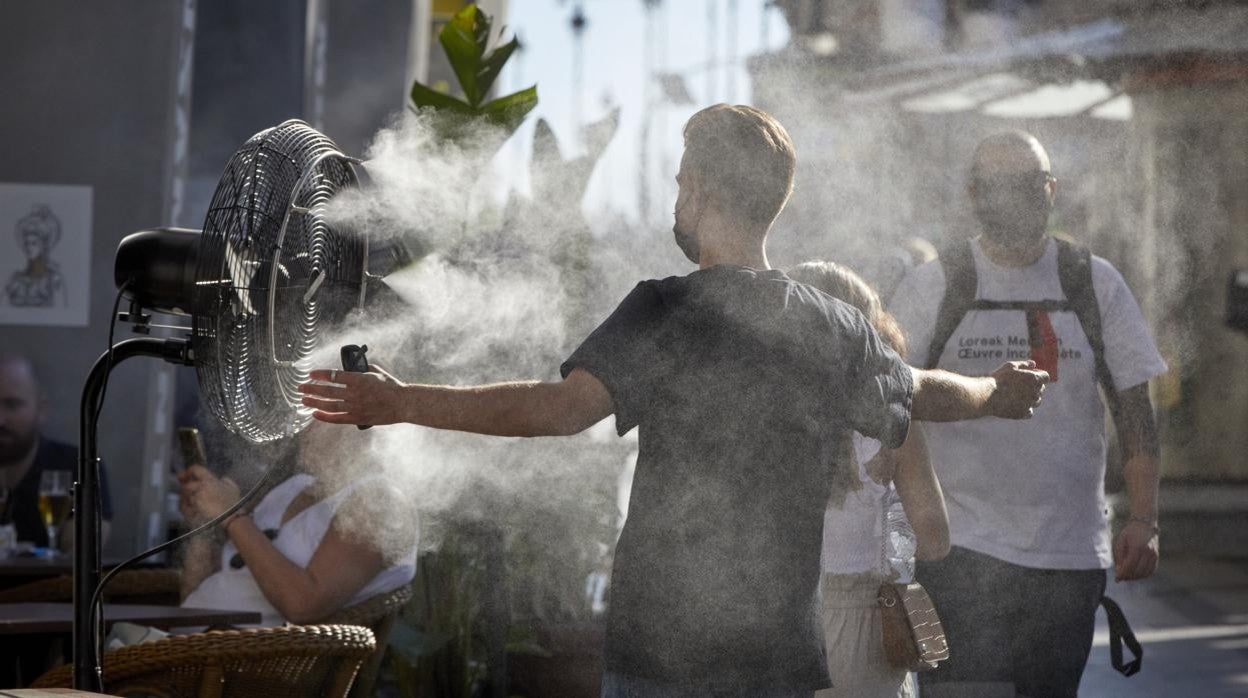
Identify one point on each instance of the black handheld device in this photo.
(192, 447)
(355, 359)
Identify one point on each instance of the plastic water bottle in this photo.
(899, 540)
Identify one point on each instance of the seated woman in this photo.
(854, 560)
(330, 535)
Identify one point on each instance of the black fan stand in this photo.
(86, 497)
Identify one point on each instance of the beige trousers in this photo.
(855, 647)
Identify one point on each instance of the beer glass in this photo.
(54, 504)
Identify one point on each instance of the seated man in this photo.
(332, 534)
(25, 455)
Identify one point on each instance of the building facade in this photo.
(1142, 108)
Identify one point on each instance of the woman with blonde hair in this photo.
(855, 523)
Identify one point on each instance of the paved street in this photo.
(1192, 619)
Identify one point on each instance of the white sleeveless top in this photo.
(853, 533)
(297, 539)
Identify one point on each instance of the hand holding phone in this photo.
(355, 359)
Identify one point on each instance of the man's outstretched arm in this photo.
(1011, 392)
(527, 408)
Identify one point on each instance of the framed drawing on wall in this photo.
(45, 266)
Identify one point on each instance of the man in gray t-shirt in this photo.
(744, 386)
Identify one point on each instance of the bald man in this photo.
(1019, 591)
(25, 454)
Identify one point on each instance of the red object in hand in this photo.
(1043, 341)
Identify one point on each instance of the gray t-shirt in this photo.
(745, 386)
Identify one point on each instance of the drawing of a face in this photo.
(33, 245)
(38, 232)
(39, 282)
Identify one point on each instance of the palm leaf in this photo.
(464, 40)
(423, 96)
(509, 111)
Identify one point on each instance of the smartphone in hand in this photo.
(355, 359)
(191, 445)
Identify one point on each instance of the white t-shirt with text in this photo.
(1029, 492)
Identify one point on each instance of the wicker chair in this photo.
(158, 587)
(295, 660)
(378, 614)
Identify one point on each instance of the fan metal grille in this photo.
(273, 275)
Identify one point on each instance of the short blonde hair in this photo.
(743, 159)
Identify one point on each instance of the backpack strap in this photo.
(1119, 633)
(1074, 270)
(1048, 306)
(961, 283)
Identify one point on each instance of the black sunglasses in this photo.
(237, 562)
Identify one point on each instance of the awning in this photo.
(1011, 96)
(1069, 73)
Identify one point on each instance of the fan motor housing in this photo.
(158, 266)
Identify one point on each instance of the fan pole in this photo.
(87, 493)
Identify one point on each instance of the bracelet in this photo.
(1149, 521)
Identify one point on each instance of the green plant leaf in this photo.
(464, 40)
(423, 96)
(493, 64)
(509, 111)
(481, 30)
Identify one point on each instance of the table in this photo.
(17, 571)
(62, 563)
(30, 618)
(32, 567)
(45, 693)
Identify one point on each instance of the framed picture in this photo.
(45, 266)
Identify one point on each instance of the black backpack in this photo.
(1074, 271)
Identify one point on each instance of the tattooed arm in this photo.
(1135, 548)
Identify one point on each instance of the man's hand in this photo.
(344, 397)
(1135, 551)
(1019, 385)
(1011, 392)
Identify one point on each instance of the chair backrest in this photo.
(296, 660)
(372, 610)
(376, 613)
